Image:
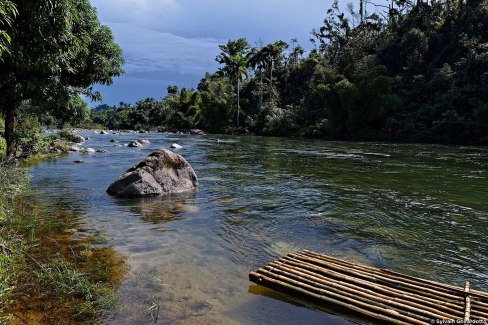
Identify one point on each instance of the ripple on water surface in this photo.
(411, 208)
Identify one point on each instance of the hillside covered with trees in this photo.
(412, 71)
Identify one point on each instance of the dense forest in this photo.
(411, 71)
(408, 71)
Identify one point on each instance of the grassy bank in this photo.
(50, 270)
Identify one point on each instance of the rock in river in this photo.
(176, 146)
(75, 148)
(135, 144)
(197, 132)
(162, 172)
(144, 141)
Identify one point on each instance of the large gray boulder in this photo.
(162, 172)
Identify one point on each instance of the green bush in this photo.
(70, 136)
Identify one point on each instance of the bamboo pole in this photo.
(314, 287)
(365, 277)
(446, 305)
(287, 288)
(467, 311)
(388, 311)
(377, 278)
(360, 292)
(386, 277)
(460, 290)
(375, 291)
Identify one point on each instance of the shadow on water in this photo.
(337, 314)
(161, 209)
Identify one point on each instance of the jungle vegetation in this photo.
(50, 54)
(411, 71)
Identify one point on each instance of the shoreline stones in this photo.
(162, 172)
(197, 132)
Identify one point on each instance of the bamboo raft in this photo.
(376, 293)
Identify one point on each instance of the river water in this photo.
(417, 209)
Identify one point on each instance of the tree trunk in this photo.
(238, 101)
(361, 10)
(271, 81)
(9, 129)
(261, 90)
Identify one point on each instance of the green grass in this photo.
(68, 280)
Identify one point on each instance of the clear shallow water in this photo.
(418, 209)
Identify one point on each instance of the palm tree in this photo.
(273, 53)
(257, 61)
(239, 66)
(234, 58)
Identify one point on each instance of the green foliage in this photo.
(8, 12)
(3, 147)
(70, 136)
(416, 72)
(50, 77)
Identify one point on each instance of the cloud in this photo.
(148, 50)
(220, 19)
(155, 60)
(176, 41)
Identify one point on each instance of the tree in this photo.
(273, 53)
(239, 64)
(8, 12)
(57, 52)
(234, 57)
(257, 61)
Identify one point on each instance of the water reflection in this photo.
(162, 209)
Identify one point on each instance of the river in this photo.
(417, 209)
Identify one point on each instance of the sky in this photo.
(174, 42)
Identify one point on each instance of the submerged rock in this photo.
(103, 132)
(135, 144)
(176, 146)
(144, 141)
(113, 140)
(89, 150)
(78, 161)
(162, 172)
(102, 151)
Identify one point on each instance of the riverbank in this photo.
(50, 270)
